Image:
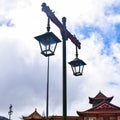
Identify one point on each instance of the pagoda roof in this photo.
(34, 116)
(99, 96)
(102, 108)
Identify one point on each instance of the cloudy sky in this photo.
(23, 70)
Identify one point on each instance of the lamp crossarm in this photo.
(55, 20)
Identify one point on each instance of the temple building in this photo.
(101, 109)
(34, 116)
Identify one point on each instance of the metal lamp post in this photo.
(48, 43)
(47, 51)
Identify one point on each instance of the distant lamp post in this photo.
(10, 111)
(77, 65)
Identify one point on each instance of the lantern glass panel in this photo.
(77, 70)
(48, 48)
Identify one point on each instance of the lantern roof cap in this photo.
(46, 35)
(77, 61)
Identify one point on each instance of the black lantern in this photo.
(77, 65)
(48, 43)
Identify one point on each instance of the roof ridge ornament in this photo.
(35, 109)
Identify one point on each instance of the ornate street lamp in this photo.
(48, 43)
(77, 65)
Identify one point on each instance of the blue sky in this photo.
(23, 68)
